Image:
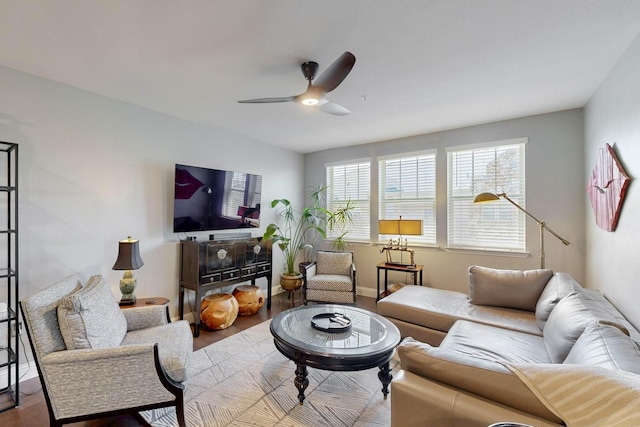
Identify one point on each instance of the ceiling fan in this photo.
(315, 93)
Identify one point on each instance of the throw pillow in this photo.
(519, 289)
(607, 346)
(334, 263)
(558, 287)
(91, 317)
(568, 320)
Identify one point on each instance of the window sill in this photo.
(488, 252)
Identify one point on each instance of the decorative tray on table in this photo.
(331, 322)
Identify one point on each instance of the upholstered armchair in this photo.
(331, 278)
(96, 360)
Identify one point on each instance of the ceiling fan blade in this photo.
(336, 73)
(267, 100)
(333, 108)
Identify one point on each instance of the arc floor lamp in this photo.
(490, 197)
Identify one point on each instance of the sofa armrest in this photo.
(481, 377)
(145, 317)
(71, 377)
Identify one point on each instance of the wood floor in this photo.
(32, 411)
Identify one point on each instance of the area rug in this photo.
(244, 381)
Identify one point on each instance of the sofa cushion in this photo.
(334, 263)
(558, 287)
(482, 377)
(519, 289)
(606, 346)
(439, 309)
(91, 317)
(568, 320)
(494, 343)
(330, 282)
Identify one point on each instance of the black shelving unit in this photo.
(9, 322)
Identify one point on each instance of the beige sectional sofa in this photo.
(462, 355)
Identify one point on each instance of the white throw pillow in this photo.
(91, 317)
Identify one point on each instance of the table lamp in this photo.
(490, 197)
(406, 227)
(128, 259)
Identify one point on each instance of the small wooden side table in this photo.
(414, 269)
(142, 302)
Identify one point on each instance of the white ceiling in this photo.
(422, 65)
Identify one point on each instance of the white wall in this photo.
(94, 171)
(555, 194)
(613, 116)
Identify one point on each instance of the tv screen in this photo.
(212, 199)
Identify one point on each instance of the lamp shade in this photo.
(485, 197)
(388, 226)
(128, 255)
(405, 227)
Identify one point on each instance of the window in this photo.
(407, 188)
(496, 168)
(351, 182)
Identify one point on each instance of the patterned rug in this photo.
(244, 381)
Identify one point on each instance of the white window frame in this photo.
(494, 226)
(356, 188)
(413, 177)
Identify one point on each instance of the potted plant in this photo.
(296, 227)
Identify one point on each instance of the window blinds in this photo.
(351, 182)
(407, 188)
(494, 169)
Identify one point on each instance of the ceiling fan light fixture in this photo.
(310, 101)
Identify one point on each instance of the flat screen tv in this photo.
(212, 199)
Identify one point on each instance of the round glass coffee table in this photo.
(342, 338)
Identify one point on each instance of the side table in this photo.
(142, 302)
(414, 269)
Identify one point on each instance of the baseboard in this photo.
(366, 292)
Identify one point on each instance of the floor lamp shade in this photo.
(128, 259)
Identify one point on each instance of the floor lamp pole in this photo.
(542, 225)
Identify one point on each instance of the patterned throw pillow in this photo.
(91, 317)
(334, 263)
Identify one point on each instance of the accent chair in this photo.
(331, 278)
(96, 360)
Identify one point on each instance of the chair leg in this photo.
(180, 413)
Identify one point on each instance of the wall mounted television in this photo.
(211, 199)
